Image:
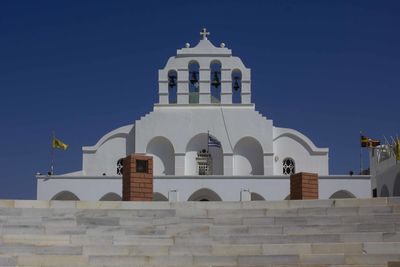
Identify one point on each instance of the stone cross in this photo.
(204, 33)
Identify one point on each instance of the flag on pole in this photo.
(368, 142)
(213, 142)
(57, 143)
(364, 141)
(397, 149)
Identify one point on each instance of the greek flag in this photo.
(213, 142)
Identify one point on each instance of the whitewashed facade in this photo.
(204, 90)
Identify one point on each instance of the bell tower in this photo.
(204, 75)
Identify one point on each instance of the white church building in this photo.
(207, 140)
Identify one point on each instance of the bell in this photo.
(236, 84)
(194, 79)
(171, 81)
(216, 83)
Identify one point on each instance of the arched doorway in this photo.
(111, 197)
(342, 194)
(384, 191)
(163, 154)
(248, 157)
(65, 195)
(396, 187)
(197, 144)
(159, 197)
(256, 197)
(204, 194)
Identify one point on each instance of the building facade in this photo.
(207, 140)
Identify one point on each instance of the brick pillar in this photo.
(137, 178)
(304, 185)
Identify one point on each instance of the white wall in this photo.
(289, 143)
(227, 188)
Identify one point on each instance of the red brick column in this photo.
(304, 185)
(137, 178)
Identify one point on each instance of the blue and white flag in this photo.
(213, 142)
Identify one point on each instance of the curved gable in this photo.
(120, 132)
(301, 139)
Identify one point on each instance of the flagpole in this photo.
(52, 154)
(208, 141)
(360, 155)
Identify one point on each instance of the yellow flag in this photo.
(57, 143)
(397, 149)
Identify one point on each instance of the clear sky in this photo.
(82, 68)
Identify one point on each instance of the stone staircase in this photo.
(340, 233)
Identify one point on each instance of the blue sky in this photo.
(82, 68)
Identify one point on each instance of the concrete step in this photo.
(339, 233)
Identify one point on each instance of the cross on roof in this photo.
(204, 33)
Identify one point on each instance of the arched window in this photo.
(172, 86)
(65, 195)
(236, 86)
(215, 67)
(120, 167)
(194, 82)
(288, 166)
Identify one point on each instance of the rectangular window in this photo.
(142, 166)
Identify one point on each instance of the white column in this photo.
(204, 90)
(179, 164)
(226, 86)
(163, 92)
(183, 86)
(246, 92)
(269, 163)
(228, 164)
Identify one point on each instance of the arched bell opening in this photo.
(194, 84)
(172, 86)
(236, 86)
(215, 77)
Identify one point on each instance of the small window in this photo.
(142, 166)
(120, 166)
(288, 166)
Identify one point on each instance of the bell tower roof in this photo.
(204, 48)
